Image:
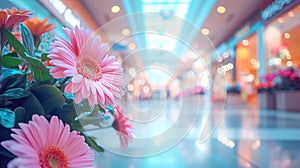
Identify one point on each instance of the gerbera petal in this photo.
(77, 78)
(60, 142)
(3, 18)
(13, 20)
(24, 162)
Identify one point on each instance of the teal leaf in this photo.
(27, 39)
(40, 72)
(7, 118)
(15, 43)
(8, 72)
(15, 93)
(12, 81)
(11, 62)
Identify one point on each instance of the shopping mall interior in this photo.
(207, 83)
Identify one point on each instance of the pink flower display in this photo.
(124, 129)
(47, 145)
(96, 76)
(270, 76)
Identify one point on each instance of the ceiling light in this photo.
(225, 54)
(146, 89)
(198, 64)
(221, 9)
(115, 9)
(125, 32)
(287, 35)
(291, 14)
(205, 31)
(245, 42)
(130, 87)
(131, 46)
(289, 63)
(280, 20)
(195, 45)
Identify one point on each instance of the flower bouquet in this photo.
(288, 79)
(43, 81)
(266, 83)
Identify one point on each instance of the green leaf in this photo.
(40, 72)
(15, 43)
(15, 93)
(49, 96)
(32, 106)
(11, 62)
(27, 39)
(44, 57)
(20, 113)
(91, 141)
(67, 114)
(7, 118)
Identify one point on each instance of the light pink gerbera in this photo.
(95, 75)
(124, 129)
(48, 145)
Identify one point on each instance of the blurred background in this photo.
(223, 73)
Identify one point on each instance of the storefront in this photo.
(282, 37)
(265, 45)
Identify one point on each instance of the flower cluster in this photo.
(266, 82)
(40, 90)
(289, 79)
(283, 79)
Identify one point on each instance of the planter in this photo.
(267, 100)
(288, 100)
(235, 99)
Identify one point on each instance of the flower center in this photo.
(53, 157)
(89, 68)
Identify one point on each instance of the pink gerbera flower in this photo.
(95, 75)
(10, 18)
(48, 145)
(124, 129)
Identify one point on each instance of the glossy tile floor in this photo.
(238, 136)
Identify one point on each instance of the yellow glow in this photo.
(221, 9)
(125, 32)
(205, 31)
(115, 9)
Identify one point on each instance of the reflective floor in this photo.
(239, 136)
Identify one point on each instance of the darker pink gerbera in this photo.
(121, 125)
(96, 76)
(10, 18)
(43, 144)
